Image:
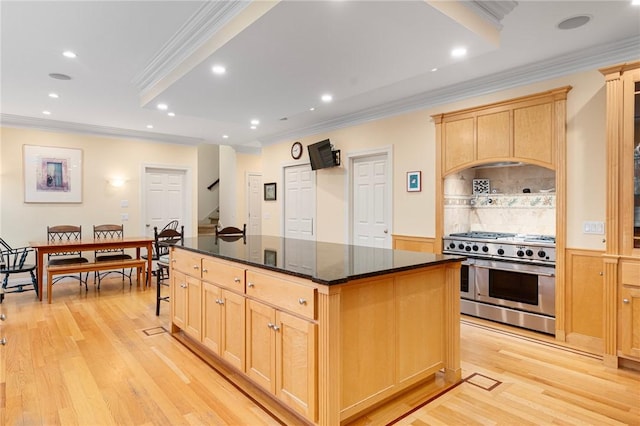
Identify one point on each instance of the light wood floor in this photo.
(104, 358)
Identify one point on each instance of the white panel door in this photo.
(254, 209)
(165, 198)
(371, 201)
(299, 202)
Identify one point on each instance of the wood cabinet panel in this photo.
(186, 262)
(629, 327)
(410, 243)
(419, 304)
(630, 273)
(584, 309)
(260, 345)
(494, 135)
(459, 143)
(232, 344)
(193, 325)
(223, 274)
(297, 369)
(211, 317)
(284, 294)
(532, 133)
(178, 298)
(366, 328)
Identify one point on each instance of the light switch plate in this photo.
(124, 217)
(124, 203)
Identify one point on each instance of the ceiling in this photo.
(376, 58)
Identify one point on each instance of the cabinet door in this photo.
(178, 299)
(459, 143)
(629, 327)
(494, 135)
(296, 365)
(533, 133)
(261, 351)
(211, 316)
(232, 343)
(193, 325)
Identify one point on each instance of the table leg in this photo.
(149, 264)
(40, 263)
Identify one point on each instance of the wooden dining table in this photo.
(47, 247)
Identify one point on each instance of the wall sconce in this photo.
(117, 182)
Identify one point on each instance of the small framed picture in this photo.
(270, 257)
(414, 181)
(270, 191)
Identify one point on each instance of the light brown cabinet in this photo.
(523, 129)
(622, 257)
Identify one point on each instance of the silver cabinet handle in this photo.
(625, 301)
(270, 325)
(3, 341)
(3, 317)
(275, 328)
(205, 270)
(221, 302)
(173, 261)
(250, 285)
(302, 301)
(183, 285)
(236, 279)
(196, 267)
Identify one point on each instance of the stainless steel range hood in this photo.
(500, 164)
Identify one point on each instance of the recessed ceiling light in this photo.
(171, 114)
(163, 107)
(434, 69)
(312, 109)
(218, 69)
(59, 76)
(326, 98)
(54, 95)
(149, 126)
(255, 122)
(225, 136)
(459, 52)
(574, 22)
(46, 112)
(69, 54)
(635, 2)
(253, 127)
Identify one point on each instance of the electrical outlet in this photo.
(124, 217)
(124, 203)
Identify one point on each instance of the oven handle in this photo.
(544, 274)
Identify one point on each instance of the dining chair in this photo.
(171, 225)
(163, 241)
(14, 261)
(232, 233)
(63, 234)
(109, 232)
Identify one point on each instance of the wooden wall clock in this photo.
(296, 150)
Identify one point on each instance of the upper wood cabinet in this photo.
(524, 129)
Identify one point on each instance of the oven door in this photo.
(467, 279)
(524, 287)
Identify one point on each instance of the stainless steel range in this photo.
(509, 278)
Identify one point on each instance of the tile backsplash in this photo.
(506, 208)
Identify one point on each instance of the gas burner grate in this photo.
(483, 235)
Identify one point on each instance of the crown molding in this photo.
(492, 11)
(9, 120)
(199, 28)
(582, 60)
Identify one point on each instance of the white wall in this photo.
(102, 158)
(208, 172)
(412, 136)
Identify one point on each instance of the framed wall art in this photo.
(52, 175)
(414, 181)
(270, 257)
(270, 191)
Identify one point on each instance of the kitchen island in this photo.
(326, 330)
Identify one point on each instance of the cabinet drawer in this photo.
(284, 294)
(187, 262)
(223, 274)
(630, 273)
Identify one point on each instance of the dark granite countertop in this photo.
(321, 262)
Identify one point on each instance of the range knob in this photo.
(500, 251)
(542, 253)
(452, 245)
(468, 248)
(485, 249)
(475, 248)
(520, 253)
(529, 252)
(461, 246)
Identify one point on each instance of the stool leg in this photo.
(158, 273)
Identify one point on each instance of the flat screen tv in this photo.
(321, 155)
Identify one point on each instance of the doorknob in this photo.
(147, 225)
(386, 231)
